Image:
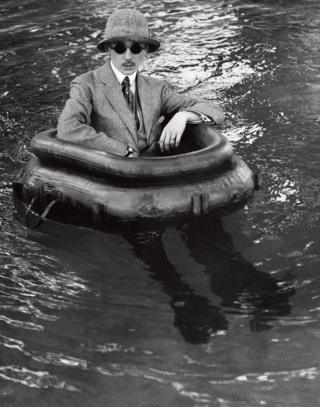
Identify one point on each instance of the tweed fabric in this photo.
(128, 24)
(96, 115)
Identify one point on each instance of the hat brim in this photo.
(153, 44)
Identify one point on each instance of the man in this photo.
(116, 109)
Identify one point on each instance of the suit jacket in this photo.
(97, 115)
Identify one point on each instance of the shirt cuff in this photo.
(205, 119)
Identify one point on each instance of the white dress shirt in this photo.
(120, 77)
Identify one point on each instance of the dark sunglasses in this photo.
(120, 47)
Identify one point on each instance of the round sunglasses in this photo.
(120, 47)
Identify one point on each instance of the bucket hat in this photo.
(127, 24)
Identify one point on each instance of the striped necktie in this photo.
(130, 99)
(127, 93)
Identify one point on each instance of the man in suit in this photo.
(118, 110)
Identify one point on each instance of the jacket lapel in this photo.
(146, 102)
(114, 95)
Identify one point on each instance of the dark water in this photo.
(215, 313)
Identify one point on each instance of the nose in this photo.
(128, 54)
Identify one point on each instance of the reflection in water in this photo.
(194, 316)
(239, 285)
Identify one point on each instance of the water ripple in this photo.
(310, 373)
(21, 324)
(260, 60)
(34, 379)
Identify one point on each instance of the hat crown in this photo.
(126, 23)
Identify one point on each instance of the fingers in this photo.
(176, 141)
(169, 141)
(164, 142)
(172, 133)
(172, 143)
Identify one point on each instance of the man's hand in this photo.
(172, 133)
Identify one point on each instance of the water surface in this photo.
(220, 312)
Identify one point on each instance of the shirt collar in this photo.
(120, 76)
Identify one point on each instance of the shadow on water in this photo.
(238, 284)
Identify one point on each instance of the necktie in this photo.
(127, 93)
(130, 99)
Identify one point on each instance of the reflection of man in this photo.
(238, 284)
(233, 278)
(118, 110)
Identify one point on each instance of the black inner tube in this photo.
(206, 149)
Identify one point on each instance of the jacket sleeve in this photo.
(173, 102)
(74, 124)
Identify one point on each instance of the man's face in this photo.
(122, 57)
